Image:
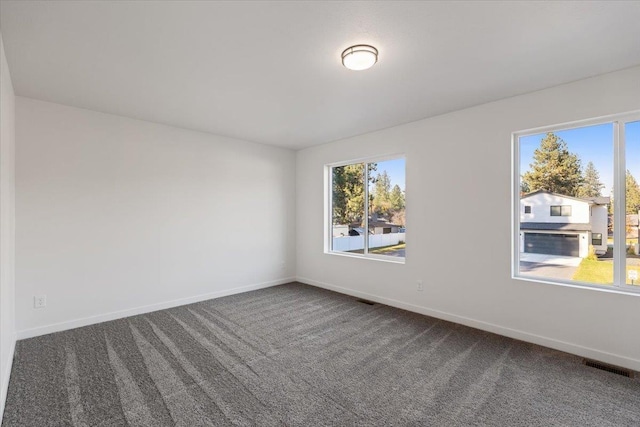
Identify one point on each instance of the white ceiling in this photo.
(270, 72)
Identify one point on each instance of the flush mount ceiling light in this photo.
(359, 57)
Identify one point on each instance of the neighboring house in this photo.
(383, 227)
(377, 225)
(555, 224)
(380, 225)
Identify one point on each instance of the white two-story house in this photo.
(555, 224)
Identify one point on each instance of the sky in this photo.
(591, 143)
(395, 169)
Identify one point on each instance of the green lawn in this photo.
(391, 248)
(630, 241)
(600, 272)
(590, 271)
(382, 249)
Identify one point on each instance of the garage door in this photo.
(552, 244)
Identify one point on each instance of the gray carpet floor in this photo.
(296, 355)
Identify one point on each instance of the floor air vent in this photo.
(364, 301)
(610, 368)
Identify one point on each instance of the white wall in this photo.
(599, 219)
(581, 213)
(117, 216)
(541, 209)
(7, 225)
(459, 180)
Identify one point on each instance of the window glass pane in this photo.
(387, 208)
(632, 148)
(347, 208)
(566, 176)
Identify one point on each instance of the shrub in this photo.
(592, 254)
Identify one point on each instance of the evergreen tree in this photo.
(381, 194)
(591, 185)
(397, 198)
(554, 168)
(348, 193)
(632, 194)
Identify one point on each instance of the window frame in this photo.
(618, 122)
(562, 208)
(592, 239)
(328, 217)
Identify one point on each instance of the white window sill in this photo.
(627, 290)
(389, 259)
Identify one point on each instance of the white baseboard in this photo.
(567, 347)
(77, 323)
(5, 377)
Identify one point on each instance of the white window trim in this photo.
(328, 211)
(560, 206)
(619, 179)
(601, 238)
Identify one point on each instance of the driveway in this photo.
(552, 271)
(569, 261)
(551, 266)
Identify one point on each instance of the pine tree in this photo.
(591, 185)
(397, 205)
(397, 198)
(554, 168)
(380, 201)
(348, 193)
(632, 194)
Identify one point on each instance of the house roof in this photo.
(555, 226)
(591, 200)
(382, 224)
(600, 200)
(379, 223)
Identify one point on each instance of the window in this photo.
(596, 239)
(560, 210)
(367, 209)
(588, 174)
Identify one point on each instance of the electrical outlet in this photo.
(39, 301)
(419, 286)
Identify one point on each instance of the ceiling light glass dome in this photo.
(359, 57)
